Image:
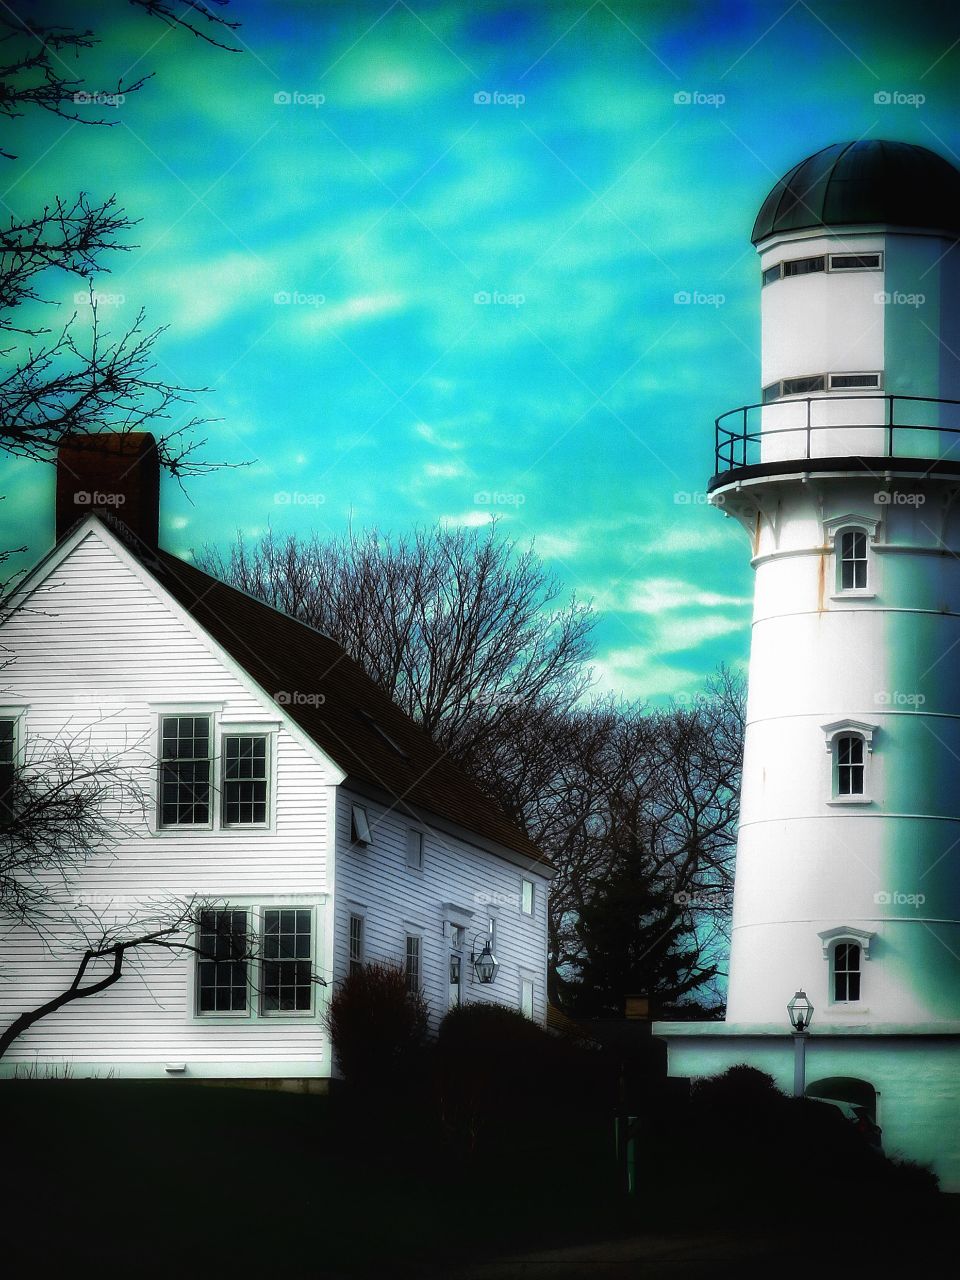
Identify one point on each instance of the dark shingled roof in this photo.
(375, 743)
(871, 181)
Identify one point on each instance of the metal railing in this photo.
(739, 445)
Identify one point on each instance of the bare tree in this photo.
(460, 627)
(464, 631)
(36, 70)
(80, 380)
(62, 803)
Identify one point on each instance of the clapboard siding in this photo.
(93, 647)
(395, 900)
(97, 645)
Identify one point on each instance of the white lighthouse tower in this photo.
(846, 477)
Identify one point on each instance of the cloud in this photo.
(659, 595)
(442, 470)
(471, 519)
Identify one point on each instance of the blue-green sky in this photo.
(578, 403)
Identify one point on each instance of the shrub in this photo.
(744, 1148)
(505, 1085)
(378, 1028)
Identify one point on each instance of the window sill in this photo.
(842, 800)
(847, 1009)
(854, 595)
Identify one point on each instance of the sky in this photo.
(449, 262)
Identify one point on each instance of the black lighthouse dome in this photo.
(867, 182)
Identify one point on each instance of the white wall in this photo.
(804, 864)
(917, 1080)
(376, 882)
(95, 641)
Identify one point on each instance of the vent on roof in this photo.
(378, 728)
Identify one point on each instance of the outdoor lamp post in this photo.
(484, 962)
(801, 1015)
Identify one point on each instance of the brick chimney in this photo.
(114, 476)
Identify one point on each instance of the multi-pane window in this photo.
(286, 968)
(850, 766)
(456, 979)
(847, 381)
(184, 771)
(222, 962)
(414, 849)
(837, 262)
(853, 560)
(526, 898)
(855, 261)
(244, 801)
(803, 266)
(846, 971)
(8, 755)
(356, 943)
(412, 962)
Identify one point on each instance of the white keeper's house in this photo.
(846, 480)
(282, 785)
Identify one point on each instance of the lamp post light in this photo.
(485, 963)
(801, 1015)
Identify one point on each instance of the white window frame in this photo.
(829, 938)
(828, 265)
(526, 885)
(415, 849)
(852, 253)
(361, 959)
(833, 733)
(198, 713)
(413, 934)
(526, 980)
(255, 906)
(835, 972)
(296, 1015)
(231, 1015)
(455, 956)
(244, 731)
(18, 715)
(221, 725)
(856, 373)
(833, 529)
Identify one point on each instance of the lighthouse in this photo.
(844, 473)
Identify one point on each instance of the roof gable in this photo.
(330, 696)
(322, 694)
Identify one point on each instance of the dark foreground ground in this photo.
(122, 1178)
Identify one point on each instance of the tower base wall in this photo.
(916, 1076)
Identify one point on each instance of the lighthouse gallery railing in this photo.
(741, 432)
